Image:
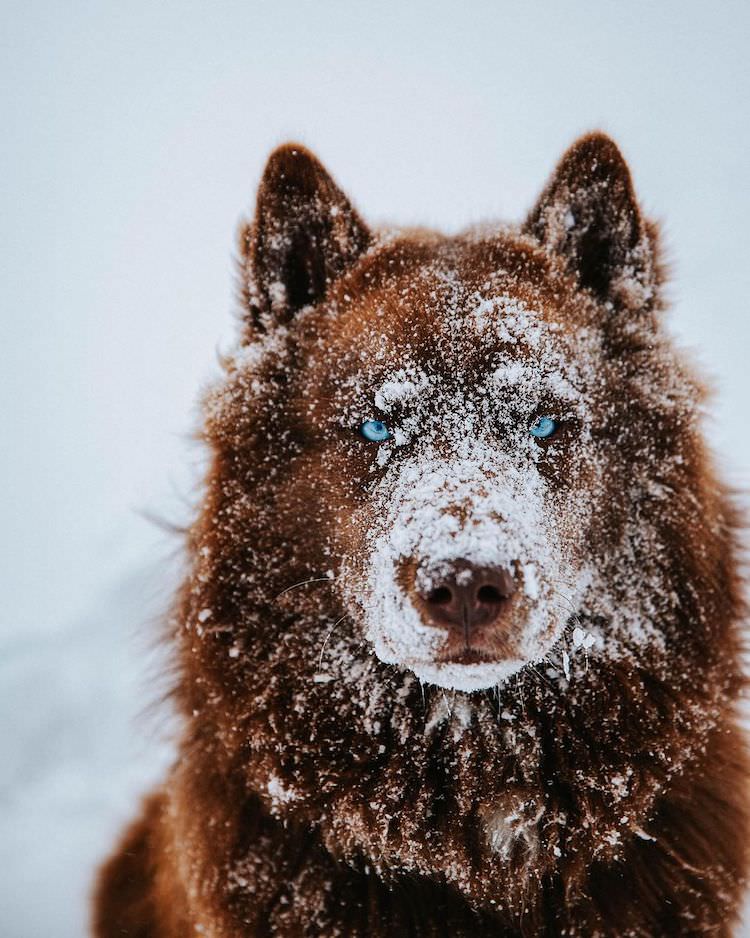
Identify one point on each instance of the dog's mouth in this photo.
(472, 660)
(486, 645)
(472, 668)
(467, 656)
(469, 672)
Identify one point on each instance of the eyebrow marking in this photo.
(526, 377)
(403, 385)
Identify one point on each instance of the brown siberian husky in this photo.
(459, 648)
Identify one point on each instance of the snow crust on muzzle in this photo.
(481, 507)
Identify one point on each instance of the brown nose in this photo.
(468, 598)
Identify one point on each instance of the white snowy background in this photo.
(133, 138)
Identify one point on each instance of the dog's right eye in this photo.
(543, 427)
(374, 431)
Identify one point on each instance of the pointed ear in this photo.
(305, 234)
(588, 216)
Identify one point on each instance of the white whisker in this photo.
(328, 635)
(315, 579)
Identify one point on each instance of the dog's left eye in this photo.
(543, 428)
(375, 431)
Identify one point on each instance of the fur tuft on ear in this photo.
(589, 217)
(304, 235)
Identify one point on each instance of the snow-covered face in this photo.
(469, 553)
(464, 435)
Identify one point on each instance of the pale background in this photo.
(133, 138)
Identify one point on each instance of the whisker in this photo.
(567, 599)
(543, 677)
(315, 579)
(573, 615)
(519, 692)
(328, 635)
(560, 593)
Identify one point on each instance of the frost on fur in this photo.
(462, 679)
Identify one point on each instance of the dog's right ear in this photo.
(304, 235)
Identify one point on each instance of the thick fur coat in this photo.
(564, 758)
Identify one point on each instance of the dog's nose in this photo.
(468, 598)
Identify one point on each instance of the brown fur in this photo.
(309, 804)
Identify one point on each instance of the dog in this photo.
(459, 648)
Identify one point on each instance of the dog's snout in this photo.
(468, 598)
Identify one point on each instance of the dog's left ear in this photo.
(589, 217)
(305, 234)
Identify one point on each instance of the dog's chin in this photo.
(467, 673)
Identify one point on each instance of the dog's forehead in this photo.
(455, 311)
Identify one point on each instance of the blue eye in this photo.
(543, 428)
(375, 431)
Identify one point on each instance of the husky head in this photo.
(453, 428)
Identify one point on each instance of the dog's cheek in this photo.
(344, 517)
(586, 501)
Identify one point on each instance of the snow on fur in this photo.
(336, 772)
